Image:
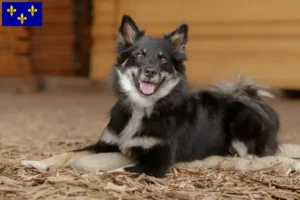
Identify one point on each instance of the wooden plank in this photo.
(278, 46)
(20, 32)
(101, 67)
(51, 42)
(8, 64)
(59, 7)
(23, 47)
(16, 32)
(55, 72)
(59, 18)
(53, 2)
(55, 68)
(24, 65)
(104, 11)
(62, 37)
(58, 28)
(269, 69)
(45, 52)
(102, 58)
(4, 45)
(196, 30)
(63, 66)
(52, 30)
(51, 49)
(212, 10)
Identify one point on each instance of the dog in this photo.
(156, 122)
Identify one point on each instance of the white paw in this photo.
(121, 169)
(36, 164)
(100, 173)
(297, 167)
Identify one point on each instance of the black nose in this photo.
(150, 72)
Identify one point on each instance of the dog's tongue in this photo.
(147, 88)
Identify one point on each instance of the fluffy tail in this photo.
(244, 89)
(249, 92)
(253, 124)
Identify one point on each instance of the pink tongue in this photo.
(147, 88)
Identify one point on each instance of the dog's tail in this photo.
(250, 116)
(251, 93)
(247, 91)
(244, 89)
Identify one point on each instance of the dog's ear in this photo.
(179, 37)
(129, 31)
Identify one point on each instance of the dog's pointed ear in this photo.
(179, 37)
(129, 31)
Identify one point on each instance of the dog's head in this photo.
(149, 69)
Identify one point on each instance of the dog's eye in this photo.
(139, 56)
(163, 60)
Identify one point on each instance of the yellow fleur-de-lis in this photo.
(11, 10)
(22, 18)
(32, 10)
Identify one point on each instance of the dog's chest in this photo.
(132, 127)
(130, 135)
(129, 138)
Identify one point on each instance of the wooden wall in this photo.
(46, 50)
(14, 50)
(257, 37)
(53, 43)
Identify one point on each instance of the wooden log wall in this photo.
(14, 50)
(53, 43)
(104, 32)
(259, 38)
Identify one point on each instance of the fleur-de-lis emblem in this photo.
(22, 18)
(32, 10)
(11, 10)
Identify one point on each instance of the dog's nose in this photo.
(150, 72)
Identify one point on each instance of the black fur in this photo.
(186, 126)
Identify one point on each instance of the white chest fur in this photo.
(129, 138)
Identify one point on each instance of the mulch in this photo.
(18, 182)
(36, 126)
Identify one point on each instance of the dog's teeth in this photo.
(100, 173)
(35, 164)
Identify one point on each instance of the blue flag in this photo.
(22, 14)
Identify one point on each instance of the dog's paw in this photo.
(100, 173)
(121, 169)
(36, 164)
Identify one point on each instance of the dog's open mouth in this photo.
(147, 87)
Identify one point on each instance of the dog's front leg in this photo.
(56, 161)
(64, 159)
(155, 162)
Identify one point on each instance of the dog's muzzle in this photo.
(148, 80)
(150, 72)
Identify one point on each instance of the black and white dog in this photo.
(156, 122)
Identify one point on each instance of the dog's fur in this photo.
(157, 123)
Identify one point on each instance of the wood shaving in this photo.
(42, 125)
